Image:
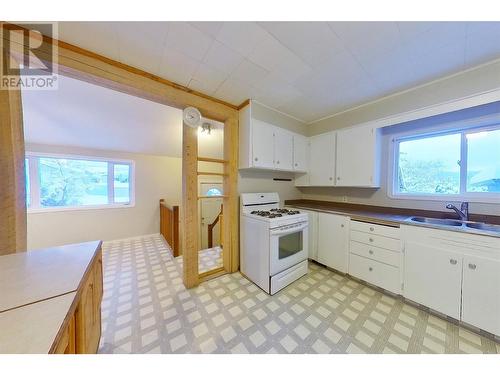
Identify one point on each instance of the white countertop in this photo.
(32, 329)
(37, 275)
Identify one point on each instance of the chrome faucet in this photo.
(463, 212)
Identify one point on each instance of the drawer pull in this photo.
(453, 261)
(370, 269)
(370, 252)
(472, 266)
(342, 225)
(370, 239)
(372, 229)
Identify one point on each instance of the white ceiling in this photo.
(306, 69)
(80, 114)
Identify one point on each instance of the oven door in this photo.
(288, 246)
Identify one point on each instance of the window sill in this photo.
(474, 198)
(82, 208)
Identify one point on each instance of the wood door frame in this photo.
(84, 65)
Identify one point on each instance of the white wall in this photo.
(155, 177)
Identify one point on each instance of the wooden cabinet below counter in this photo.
(67, 320)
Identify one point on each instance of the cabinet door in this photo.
(481, 293)
(313, 234)
(357, 160)
(333, 241)
(433, 278)
(322, 160)
(300, 153)
(283, 149)
(262, 145)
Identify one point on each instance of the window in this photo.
(461, 164)
(64, 182)
(213, 192)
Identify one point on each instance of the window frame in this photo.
(35, 206)
(463, 195)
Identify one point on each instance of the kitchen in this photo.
(355, 193)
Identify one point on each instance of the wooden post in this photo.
(190, 242)
(12, 173)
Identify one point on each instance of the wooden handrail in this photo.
(169, 226)
(211, 228)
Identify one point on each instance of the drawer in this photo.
(376, 253)
(376, 273)
(380, 230)
(375, 240)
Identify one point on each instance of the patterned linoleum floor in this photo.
(146, 309)
(209, 259)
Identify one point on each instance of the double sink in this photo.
(456, 224)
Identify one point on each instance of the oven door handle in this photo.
(281, 232)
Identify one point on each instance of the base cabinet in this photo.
(333, 241)
(433, 277)
(82, 332)
(481, 293)
(88, 312)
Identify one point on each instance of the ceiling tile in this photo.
(98, 37)
(410, 29)
(249, 73)
(211, 78)
(313, 42)
(233, 91)
(189, 40)
(222, 58)
(482, 43)
(446, 60)
(241, 36)
(177, 66)
(273, 56)
(360, 37)
(142, 44)
(208, 27)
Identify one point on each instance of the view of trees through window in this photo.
(65, 182)
(431, 164)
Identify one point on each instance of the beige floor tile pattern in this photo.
(146, 309)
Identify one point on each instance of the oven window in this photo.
(290, 244)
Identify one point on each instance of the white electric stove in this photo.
(273, 241)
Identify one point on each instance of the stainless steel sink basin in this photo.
(484, 226)
(432, 221)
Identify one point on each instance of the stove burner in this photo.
(275, 212)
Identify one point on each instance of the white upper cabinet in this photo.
(322, 160)
(262, 145)
(265, 146)
(358, 160)
(300, 153)
(358, 157)
(283, 149)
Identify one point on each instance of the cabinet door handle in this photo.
(338, 178)
(277, 162)
(453, 261)
(331, 178)
(372, 229)
(296, 165)
(342, 225)
(370, 269)
(256, 159)
(472, 266)
(370, 252)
